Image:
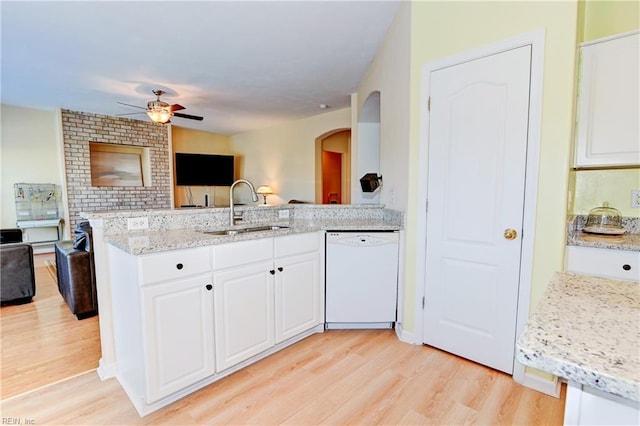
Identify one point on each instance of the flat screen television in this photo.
(204, 169)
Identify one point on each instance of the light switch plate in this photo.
(635, 198)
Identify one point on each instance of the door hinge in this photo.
(429, 104)
(422, 302)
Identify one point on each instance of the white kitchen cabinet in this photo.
(601, 262)
(163, 322)
(243, 312)
(185, 318)
(607, 121)
(586, 406)
(178, 323)
(266, 291)
(298, 291)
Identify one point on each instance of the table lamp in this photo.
(264, 190)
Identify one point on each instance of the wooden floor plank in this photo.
(355, 377)
(42, 342)
(282, 389)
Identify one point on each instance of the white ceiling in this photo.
(242, 65)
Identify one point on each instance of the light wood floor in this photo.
(335, 378)
(42, 342)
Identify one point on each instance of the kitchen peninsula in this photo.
(191, 299)
(587, 331)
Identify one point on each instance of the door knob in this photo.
(510, 234)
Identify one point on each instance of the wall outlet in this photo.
(635, 198)
(283, 214)
(137, 223)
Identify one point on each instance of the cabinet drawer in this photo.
(241, 253)
(296, 244)
(617, 264)
(175, 264)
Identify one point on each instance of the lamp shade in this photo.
(264, 190)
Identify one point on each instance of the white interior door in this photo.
(476, 181)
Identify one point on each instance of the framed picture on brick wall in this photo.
(114, 165)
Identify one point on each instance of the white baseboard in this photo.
(106, 371)
(551, 388)
(407, 336)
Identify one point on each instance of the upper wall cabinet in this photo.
(607, 128)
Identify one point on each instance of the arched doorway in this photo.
(333, 167)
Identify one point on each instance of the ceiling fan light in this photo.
(159, 115)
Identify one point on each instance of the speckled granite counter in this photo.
(158, 241)
(630, 240)
(180, 229)
(587, 330)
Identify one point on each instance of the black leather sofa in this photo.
(76, 272)
(17, 275)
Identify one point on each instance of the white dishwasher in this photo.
(361, 279)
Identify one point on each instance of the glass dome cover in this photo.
(604, 220)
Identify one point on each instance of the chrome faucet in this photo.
(232, 215)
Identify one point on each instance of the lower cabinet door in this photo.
(243, 312)
(298, 295)
(178, 319)
(586, 406)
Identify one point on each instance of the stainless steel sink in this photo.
(231, 232)
(265, 228)
(227, 232)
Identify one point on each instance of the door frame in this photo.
(346, 166)
(536, 40)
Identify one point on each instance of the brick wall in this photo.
(80, 128)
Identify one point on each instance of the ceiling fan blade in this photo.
(135, 106)
(176, 107)
(190, 117)
(130, 113)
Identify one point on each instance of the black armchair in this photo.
(76, 272)
(17, 275)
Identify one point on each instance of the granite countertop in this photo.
(158, 241)
(630, 240)
(587, 330)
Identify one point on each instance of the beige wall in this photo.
(441, 29)
(594, 187)
(197, 142)
(30, 151)
(283, 156)
(389, 74)
(600, 18)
